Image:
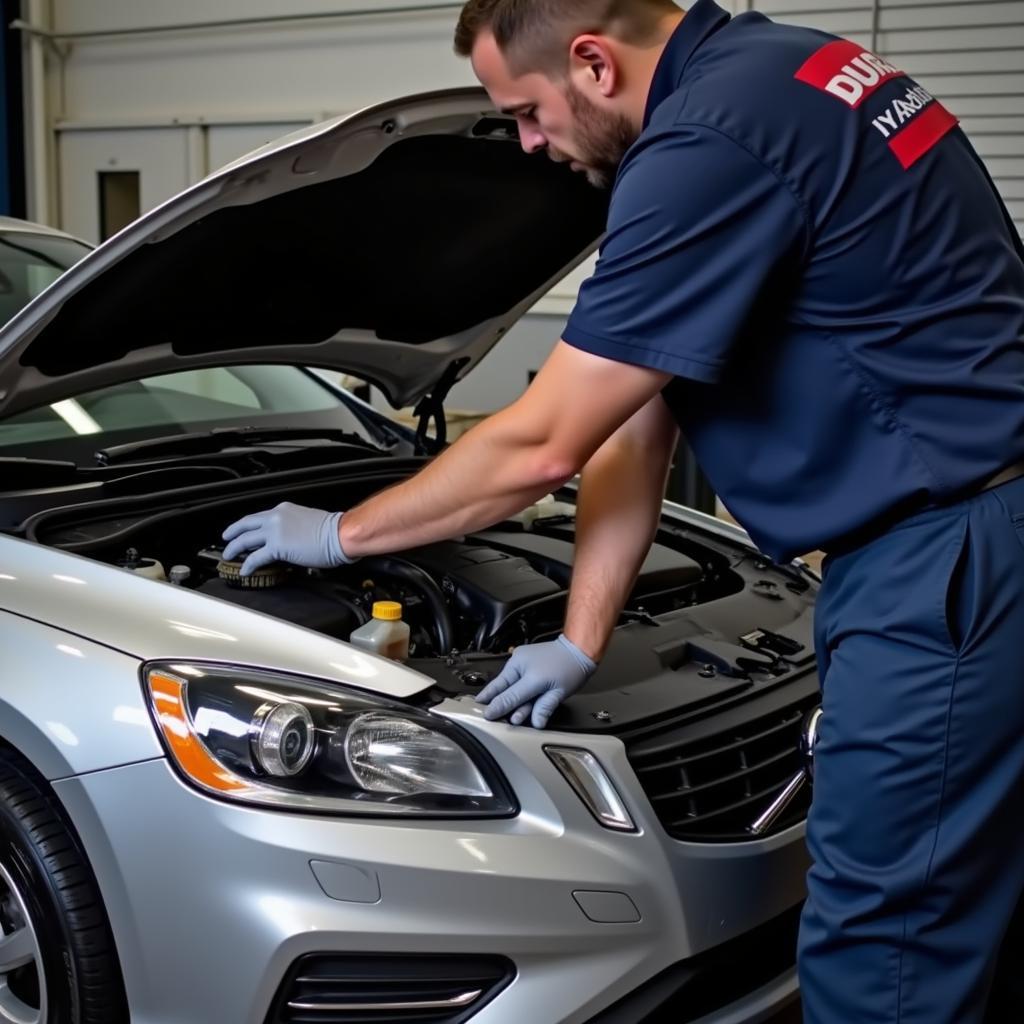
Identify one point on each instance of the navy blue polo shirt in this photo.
(806, 240)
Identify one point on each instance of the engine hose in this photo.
(482, 635)
(357, 611)
(426, 587)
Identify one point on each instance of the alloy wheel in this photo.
(22, 977)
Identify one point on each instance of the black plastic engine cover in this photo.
(294, 602)
(552, 553)
(485, 583)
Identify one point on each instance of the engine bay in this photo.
(484, 593)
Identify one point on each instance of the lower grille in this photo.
(709, 781)
(714, 980)
(388, 989)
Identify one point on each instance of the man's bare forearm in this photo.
(616, 519)
(497, 469)
(510, 460)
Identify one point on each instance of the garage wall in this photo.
(297, 65)
(242, 84)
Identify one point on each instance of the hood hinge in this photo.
(431, 407)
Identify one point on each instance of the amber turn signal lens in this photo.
(168, 696)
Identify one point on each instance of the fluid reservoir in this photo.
(385, 634)
(147, 567)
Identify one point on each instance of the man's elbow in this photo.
(550, 470)
(544, 457)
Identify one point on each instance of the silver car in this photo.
(213, 809)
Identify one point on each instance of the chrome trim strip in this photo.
(591, 783)
(455, 1002)
(779, 804)
(808, 741)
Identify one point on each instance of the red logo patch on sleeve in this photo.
(911, 124)
(847, 71)
(922, 133)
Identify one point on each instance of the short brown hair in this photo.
(537, 33)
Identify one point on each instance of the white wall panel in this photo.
(95, 15)
(160, 155)
(963, 41)
(954, 62)
(300, 69)
(919, 16)
(225, 143)
(989, 92)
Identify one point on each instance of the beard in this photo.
(601, 139)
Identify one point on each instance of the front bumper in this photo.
(211, 903)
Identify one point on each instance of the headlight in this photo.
(266, 738)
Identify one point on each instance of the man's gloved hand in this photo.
(287, 533)
(535, 680)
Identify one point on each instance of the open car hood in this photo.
(398, 244)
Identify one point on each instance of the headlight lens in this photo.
(266, 738)
(283, 738)
(388, 754)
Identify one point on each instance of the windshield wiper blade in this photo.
(211, 442)
(21, 472)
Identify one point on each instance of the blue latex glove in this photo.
(287, 533)
(535, 680)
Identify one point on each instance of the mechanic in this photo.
(808, 270)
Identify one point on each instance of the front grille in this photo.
(708, 783)
(713, 980)
(388, 989)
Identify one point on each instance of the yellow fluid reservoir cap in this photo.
(389, 611)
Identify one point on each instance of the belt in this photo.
(1004, 476)
(872, 531)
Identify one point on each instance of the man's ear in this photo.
(593, 67)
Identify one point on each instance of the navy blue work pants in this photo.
(916, 829)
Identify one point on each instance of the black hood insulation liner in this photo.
(438, 234)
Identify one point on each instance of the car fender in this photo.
(69, 705)
(148, 620)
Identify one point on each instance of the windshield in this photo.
(184, 402)
(29, 263)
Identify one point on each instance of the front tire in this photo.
(58, 963)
